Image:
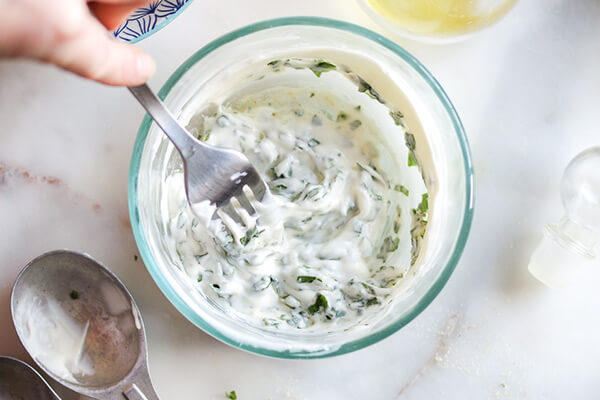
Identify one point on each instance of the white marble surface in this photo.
(528, 91)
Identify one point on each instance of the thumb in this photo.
(93, 54)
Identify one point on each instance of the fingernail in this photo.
(145, 66)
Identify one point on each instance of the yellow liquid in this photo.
(441, 17)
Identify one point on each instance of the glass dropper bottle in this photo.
(574, 238)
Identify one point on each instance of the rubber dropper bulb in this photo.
(573, 239)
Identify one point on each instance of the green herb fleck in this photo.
(402, 189)
(322, 66)
(329, 258)
(342, 116)
(199, 277)
(372, 301)
(199, 256)
(396, 226)
(231, 395)
(365, 87)
(204, 135)
(357, 108)
(313, 142)
(412, 161)
(321, 301)
(397, 117)
(135, 257)
(275, 65)
(74, 294)
(307, 279)
(423, 206)
(389, 245)
(355, 124)
(312, 95)
(250, 234)
(262, 283)
(409, 139)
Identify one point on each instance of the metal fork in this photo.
(211, 173)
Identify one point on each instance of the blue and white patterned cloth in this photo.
(147, 20)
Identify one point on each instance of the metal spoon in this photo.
(82, 327)
(19, 381)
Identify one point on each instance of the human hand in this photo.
(72, 34)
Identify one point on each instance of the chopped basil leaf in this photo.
(322, 66)
(262, 283)
(423, 206)
(307, 279)
(231, 395)
(389, 246)
(372, 301)
(397, 117)
(412, 161)
(365, 87)
(409, 139)
(321, 301)
(275, 65)
(199, 256)
(250, 234)
(355, 124)
(402, 189)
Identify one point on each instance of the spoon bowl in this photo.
(19, 381)
(81, 326)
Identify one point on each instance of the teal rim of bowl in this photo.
(375, 337)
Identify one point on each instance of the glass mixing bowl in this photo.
(442, 150)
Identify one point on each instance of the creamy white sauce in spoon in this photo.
(340, 230)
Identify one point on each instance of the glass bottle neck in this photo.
(574, 236)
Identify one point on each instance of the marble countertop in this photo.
(528, 92)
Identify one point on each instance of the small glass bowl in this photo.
(442, 149)
(493, 11)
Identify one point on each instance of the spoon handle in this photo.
(142, 388)
(135, 393)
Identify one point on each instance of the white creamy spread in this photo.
(53, 337)
(339, 232)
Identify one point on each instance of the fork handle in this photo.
(181, 138)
